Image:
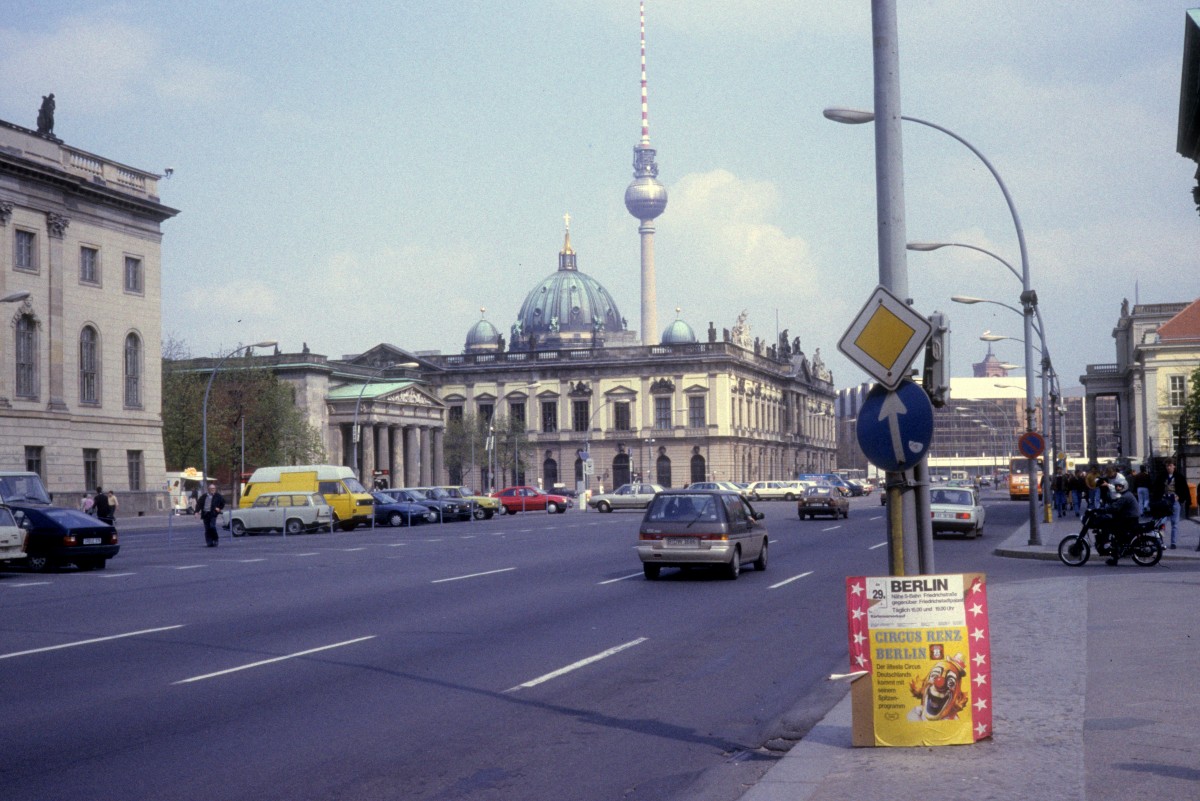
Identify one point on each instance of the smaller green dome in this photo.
(482, 338)
(678, 333)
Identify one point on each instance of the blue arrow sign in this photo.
(895, 428)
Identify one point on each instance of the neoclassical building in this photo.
(80, 369)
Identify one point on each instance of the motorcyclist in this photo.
(1123, 512)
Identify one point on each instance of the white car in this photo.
(289, 512)
(773, 491)
(956, 510)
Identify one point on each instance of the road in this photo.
(523, 657)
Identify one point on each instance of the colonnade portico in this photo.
(402, 455)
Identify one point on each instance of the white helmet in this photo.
(1120, 483)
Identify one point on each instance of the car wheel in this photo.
(293, 526)
(551, 508)
(761, 562)
(347, 525)
(734, 568)
(395, 519)
(479, 513)
(789, 497)
(979, 532)
(41, 563)
(99, 563)
(650, 571)
(604, 506)
(237, 528)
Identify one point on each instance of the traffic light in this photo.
(936, 375)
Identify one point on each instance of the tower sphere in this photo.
(646, 198)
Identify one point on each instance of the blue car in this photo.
(391, 511)
(55, 536)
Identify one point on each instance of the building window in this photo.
(580, 416)
(25, 257)
(91, 467)
(1177, 393)
(33, 459)
(133, 275)
(662, 412)
(549, 416)
(133, 371)
(698, 468)
(27, 347)
(662, 471)
(621, 416)
(134, 460)
(89, 366)
(697, 417)
(89, 265)
(486, 410)
(516, 415)
(455, 414)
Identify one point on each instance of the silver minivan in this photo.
(689, 528)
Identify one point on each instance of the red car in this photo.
(530, 499)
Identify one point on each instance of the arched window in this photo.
(620, 468)
(662, 471)
(27, 357)
(133, 371)
(699, 471)
(549, 474)
(89, 365)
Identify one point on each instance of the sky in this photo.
(380, 170)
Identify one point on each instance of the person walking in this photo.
(1140, 482)
(102, 506)
(1171, 488)
(209, 507)
(1061, 486)
(1078, 490)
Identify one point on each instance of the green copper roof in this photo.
(372, 390)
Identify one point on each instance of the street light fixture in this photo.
(207, 389)
(15, 297)
(1028, 296)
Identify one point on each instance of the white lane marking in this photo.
(29, 584)
(880, 545)
(249, 561)
(877, 517)
(467, 537)
(831, 528)
(352, 550)
(473, 575)
(88, 642)
(622, 578)
(575, 666)
(272, 661)
(310, 553)
(789, 581)
(115, 575)
(189, 567)
(397, 544)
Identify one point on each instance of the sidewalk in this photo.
(1041, 671)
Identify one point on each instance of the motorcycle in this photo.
(1144, 544)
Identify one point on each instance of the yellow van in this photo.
(352, 504)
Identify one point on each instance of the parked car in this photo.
(452, 507)
(413, 495)
(727, 486)
(56, 536)
(483, 507)
(687, 528)
(627, 496)
(772, 491)
(12, 537)
(390, 511)
(823, 499)
(287, 512)
(530, 499)
(956, 510)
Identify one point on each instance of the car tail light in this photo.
(70, 540)
(963, 515)
(114, 538)
(644, 535)
(715, 537)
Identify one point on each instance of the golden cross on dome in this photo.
(567, 221)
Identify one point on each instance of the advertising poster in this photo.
(924, 644)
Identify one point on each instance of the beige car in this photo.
(696, 528)
(288, 512)
(627, 496)
(773, 491)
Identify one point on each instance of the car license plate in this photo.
(92, 540)
(944, 515)
(682, 542)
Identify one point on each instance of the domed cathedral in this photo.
(568, 309)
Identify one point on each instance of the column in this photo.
(395, 456)
(366, 453)
(425, 457)
(379, 434)
(439, 455)
(411, 458)
(6, 246)
(56, 226)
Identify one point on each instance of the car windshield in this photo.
(682, 508)
(23, 488)
(382, 498)
(353, 485)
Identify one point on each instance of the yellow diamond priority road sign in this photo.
(885, 337)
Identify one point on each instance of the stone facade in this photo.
(80, 367)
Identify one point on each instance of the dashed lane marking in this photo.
(88, 642)
(789, 581)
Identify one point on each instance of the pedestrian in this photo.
(209, 507)
(1092, 479)
(102, 506)
(1078, 490)
(1171, 489)
(1140, 482)
(112, 506)
(1060, 486)
(87, 505)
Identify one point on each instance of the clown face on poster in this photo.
(924, 644)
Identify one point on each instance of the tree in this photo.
(466, 448)
(1189, 418)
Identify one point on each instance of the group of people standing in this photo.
(102, 505)
(1087, 489)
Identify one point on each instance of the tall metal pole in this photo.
(208, 390)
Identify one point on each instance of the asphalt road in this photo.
(523, 657)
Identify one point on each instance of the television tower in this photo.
(645, 199)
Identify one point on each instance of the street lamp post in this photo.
(1028, 296)
(208, 388)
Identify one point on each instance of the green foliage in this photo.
(1189, 418)
(275, 431)
(466, 447)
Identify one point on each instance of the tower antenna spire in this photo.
(645, 106)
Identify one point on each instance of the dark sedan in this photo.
(58, 536)
(390, 511)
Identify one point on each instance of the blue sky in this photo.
(367, 172)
